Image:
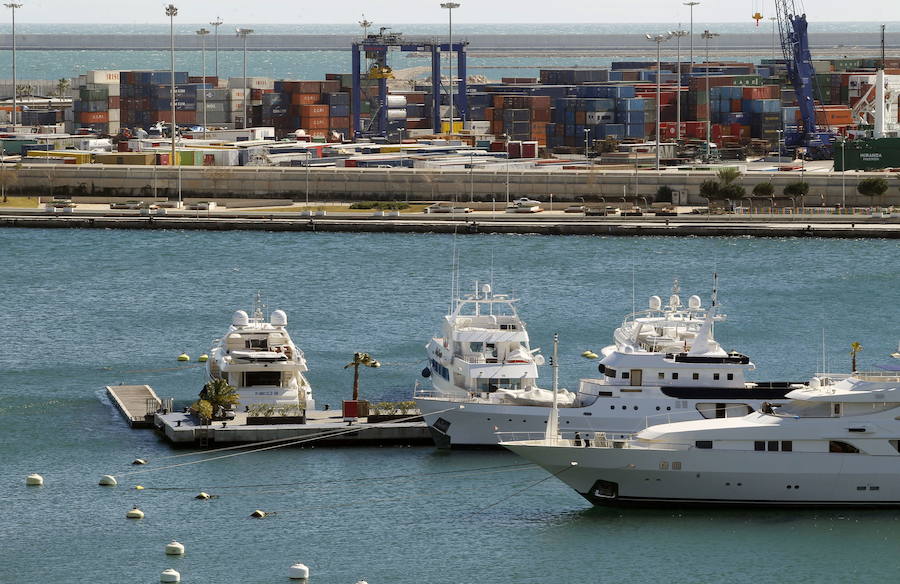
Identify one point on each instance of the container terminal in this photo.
(669, 130)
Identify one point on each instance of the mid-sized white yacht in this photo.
(664, 365)
(835, 441)
(259, 359)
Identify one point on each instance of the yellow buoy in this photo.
(135, 513)
(138, 488)
(34, 480)
(203, 358)
(184, 357)
(589, 354)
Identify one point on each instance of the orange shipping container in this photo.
(314, 111)
(181, 117)
(314, 123)
(489, 114)
(340, 122)
(93, 117)
(305, 98)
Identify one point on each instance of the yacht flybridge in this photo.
(835, 443)
(258, 358)
(665, 364)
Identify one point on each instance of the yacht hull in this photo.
(692, 477)
(468, 424)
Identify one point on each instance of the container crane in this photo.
(792, 28)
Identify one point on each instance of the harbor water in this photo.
(82, 309)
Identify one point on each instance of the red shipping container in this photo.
(497, 127)
(340, 122)
(305, 98)
(314, 111)
(93, 117)
(318, 133)
(113, 102)
(181, 117)
(290, 86)
(580, 118)
(736, 105)
(489, 114)
(314, 123)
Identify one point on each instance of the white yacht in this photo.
(665, 365)
(834, 442)
(258, 357)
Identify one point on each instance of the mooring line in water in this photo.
(324, 433)
(331, 434)
(460, 471)
(513, 494)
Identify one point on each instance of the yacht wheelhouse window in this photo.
(836, 409)
(493, 384)
(730, 377)
(895, 444)
(257, 343)
(705, 444)
(842, 447)
(252, 378)
(609, 372)
(696, 376)
(507, 327)
(625, 375)
(660, 375)
(787, 446)
(715, 376)
(772, 446)
(759, 446)
(674, 376)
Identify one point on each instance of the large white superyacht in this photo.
(664, 365)
(258, 358)
(835, 443)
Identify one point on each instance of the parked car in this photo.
(61, 202)
(574, 209)
(525, 202)
(126, 205)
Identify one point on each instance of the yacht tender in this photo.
(260, 360)
(664, 365)
(836, 443)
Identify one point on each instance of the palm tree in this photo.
(219, 394)
(360, 359)
(728, 175)
(62, 86)
(854, 349)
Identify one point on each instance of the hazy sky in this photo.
(422, 11)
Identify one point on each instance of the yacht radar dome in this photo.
(694, 302)
(240, 318)
(674, 301)
(486, 289)
(279, 318)
(655, 303)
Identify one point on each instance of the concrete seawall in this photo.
(349, 184)
(675, 227)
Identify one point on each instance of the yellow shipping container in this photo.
(70, 156)
(457, 127)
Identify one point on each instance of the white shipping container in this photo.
(113, 127)
(114, 115)
(113, 90)
(236, 94)
(235, 106)
(105, 77)
(251, 82)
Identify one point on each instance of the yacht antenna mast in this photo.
(552, 431)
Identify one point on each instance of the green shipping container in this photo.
(747, 80)
(93, 94)
(868, 154)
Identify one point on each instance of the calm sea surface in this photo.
(82, 309)
(315, 64)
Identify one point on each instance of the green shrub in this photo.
(380, 205)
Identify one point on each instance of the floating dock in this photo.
(326, 428)
(137, 403)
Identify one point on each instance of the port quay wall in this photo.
(381, 184)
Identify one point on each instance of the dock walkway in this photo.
(137, 403)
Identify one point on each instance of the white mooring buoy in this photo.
(135, 513)
(139, 461)
(202, 496)
(174, 548)
(170, 575)
(298, 572)
(34, 480)
(108, 481)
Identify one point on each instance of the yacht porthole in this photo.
(668, 408)
(612, 407)
(624, 407)
(635, 408)
(657, 408)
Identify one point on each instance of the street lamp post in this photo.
(587, 133)
(216, 24)
(203, 32)
(308, 158)
(691, 5)
(450, 6)
(12, 6)
(678, 34)
(706, 36)
(172, 12)
(843, 177)
(659, 39)
(774, 20)
(243, 33)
